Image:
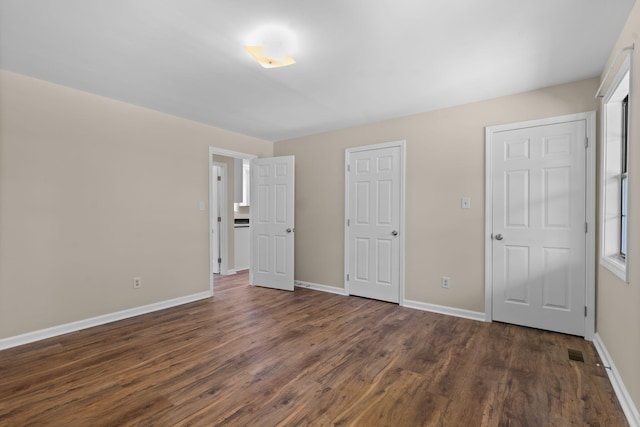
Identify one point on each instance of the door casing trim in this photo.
(402, 145)
(223, 232)
(590, 210)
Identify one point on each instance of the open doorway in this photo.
(228, 203)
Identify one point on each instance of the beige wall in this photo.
(92, 193)
(619, 303)
(445, 161)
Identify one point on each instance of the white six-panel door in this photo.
(539, 244)
(373, 231)
(272, 222)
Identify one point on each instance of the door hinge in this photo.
(347, 277)
(586, 142)
(586, 227)
(219, 260)
(348, 222)
(219, 219)
(348, 168)
(585, 311)
(219, 178)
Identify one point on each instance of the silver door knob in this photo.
(499, 236)
(289, 230)
(394, 233)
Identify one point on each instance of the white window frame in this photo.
(610, 176)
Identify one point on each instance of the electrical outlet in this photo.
(137, 282)
(466, 202)
(445, 281)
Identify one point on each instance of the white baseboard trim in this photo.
(323, 288)
(441, 309)
(629, 408)
(96, 321)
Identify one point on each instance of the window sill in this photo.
(615, 265)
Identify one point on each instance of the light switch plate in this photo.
(466, 202)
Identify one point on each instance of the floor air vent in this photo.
(575, 355)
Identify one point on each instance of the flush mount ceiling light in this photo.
(272, 46)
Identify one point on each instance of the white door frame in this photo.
(223, 226)
(216, 204)
(590, 187)
(224, 250)
(402, 145)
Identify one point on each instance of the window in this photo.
(624, 165)
(615, 173)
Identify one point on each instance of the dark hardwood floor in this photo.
(259, 357)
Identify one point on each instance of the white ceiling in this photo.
(358, 61)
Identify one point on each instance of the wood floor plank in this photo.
(257, 356)
(396, 398)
